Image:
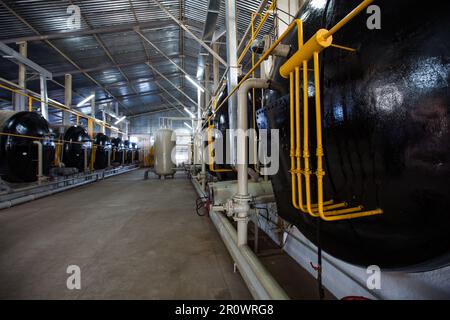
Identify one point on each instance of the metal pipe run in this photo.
(242, 198)
(259, 281)
(30, 197)
(242, 143)
(40, 174)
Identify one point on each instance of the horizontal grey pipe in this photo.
(259, 281)
(32, 197)
(78, 176)
(198, 188)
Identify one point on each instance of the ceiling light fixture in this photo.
(120, 120)
(189, 112)
(82, 103)
(194, 83)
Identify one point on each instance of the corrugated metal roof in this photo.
(115, 59)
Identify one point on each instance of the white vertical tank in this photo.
(163, 153)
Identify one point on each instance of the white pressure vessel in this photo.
(164, 145)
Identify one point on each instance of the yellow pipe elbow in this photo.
(317, 43)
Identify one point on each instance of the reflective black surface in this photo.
(76, 142)
(117, 156)
(386, 133)
(128, 151)
(103, 149)
(19, 156)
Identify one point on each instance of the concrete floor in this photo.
(132, 239)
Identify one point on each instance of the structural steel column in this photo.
(19, 103)
(104, 121)
(93, 105)
(44, 98)
(231, 35)
(67, 98)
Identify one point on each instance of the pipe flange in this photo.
(241, 205)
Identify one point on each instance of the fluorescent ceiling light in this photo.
(189, 112)
(120, 120)
(187, 125)
(85, 100)
(194, 83)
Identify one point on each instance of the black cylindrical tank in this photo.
(19, 155)
(118, 149)
(135, 150)
(128, 152)
(77, 146)
(386, 127)
(102, 152)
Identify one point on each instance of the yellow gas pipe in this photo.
(320, 41)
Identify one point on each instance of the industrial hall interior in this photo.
(224, 150)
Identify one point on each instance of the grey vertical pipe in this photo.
(104, 121)
(93, 105)
(242, 155)
(67, 98)
(242, 143)
(44, 97)
(40, 174)
(232, 80)
(85, 160)
(19, 103)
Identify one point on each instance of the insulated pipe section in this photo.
(242, 144)
(259, 281)
(242, 198)
(40, 174)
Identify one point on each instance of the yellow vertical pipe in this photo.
(91, 128)
(297, 138)
(306, 155)
(319, 153)
(292, 136)
(30, 104)
(93, 154)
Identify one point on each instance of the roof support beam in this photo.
(170, 95)
(59, 51)
(148, 113)
(182, 25)
(154, 26)
(168, 58)
(173, 85)
(208, 32)
(14, 55)
(108, 53)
